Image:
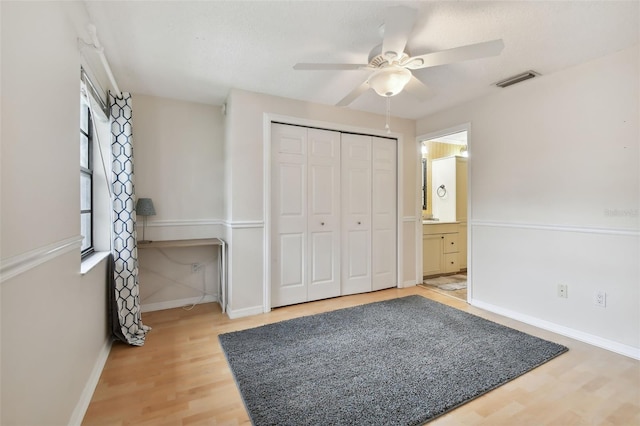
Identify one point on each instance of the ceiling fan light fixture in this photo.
(390, 81)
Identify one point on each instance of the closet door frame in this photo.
(268, 119)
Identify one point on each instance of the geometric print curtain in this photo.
(124, 295)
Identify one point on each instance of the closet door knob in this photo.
(322, 223)
(359, 223)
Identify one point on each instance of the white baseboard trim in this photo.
(178, 303)
(87, 393)
(181, 222)
(591, 339)
(409, 283)
(244, 312)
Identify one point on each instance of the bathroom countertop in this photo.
(437, 222)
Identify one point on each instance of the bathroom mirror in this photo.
(424, 184)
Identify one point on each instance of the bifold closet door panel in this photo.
(288, 215)
(356, 213)
(384, 212)
(333, 214)
(323, 213)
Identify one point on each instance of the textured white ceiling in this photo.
(199, 50)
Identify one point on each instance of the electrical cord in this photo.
(174, 281)
(173, 260)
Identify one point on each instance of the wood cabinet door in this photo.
(432, 254)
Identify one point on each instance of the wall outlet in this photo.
(195, 267)
(600, 298)
(562, 291)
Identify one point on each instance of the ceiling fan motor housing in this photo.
(378, 60)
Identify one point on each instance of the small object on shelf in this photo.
(144, 208)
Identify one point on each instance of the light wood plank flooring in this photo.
(181, 377)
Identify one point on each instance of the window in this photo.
(95, 175)
(86, 178)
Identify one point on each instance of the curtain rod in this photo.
(96, 94)
(100, 49)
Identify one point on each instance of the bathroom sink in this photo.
(437, 221)
(432, 220)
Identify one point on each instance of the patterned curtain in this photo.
(124, 299)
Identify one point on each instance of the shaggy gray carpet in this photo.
(399, 362)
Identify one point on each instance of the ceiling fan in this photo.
(392, 64)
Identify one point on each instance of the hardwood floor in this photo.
(181, 377)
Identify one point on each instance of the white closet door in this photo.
(383, 235)
(324, 214)
(356, 214)
(288, 215)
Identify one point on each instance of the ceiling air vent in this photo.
(517, 78)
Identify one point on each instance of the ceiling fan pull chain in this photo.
(388, 114)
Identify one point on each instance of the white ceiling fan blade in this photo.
(418, 89)
(398, 25)
(457, 54)
(328, 67)
(354, 94)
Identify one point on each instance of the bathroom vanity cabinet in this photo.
(441, 248)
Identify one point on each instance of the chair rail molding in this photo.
(240, 224)
(182, 222)
(562, 228)
(20, 263)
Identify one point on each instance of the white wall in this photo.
(179, 157)
(53, 320)
(179, 163)
(554, 181)
(244, 145)
(167, 278)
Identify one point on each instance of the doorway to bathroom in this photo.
(444, 199)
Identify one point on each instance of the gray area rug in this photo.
(399, 362)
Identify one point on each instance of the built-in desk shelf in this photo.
(196, 242)
(181, 243)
